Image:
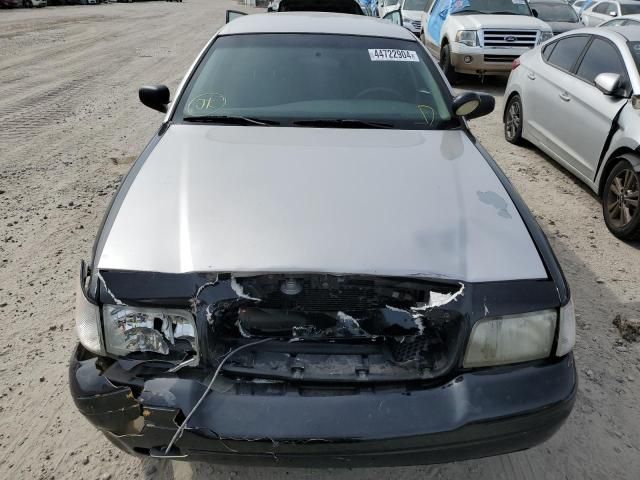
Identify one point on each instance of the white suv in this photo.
(480, 36)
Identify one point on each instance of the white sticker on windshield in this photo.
(392, 55)
(518, 2)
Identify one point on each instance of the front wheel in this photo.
(513, 121)
(445, 64)
(620, 198)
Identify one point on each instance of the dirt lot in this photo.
(70, 126)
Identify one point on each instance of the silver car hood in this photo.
(271, 199)
(478, 22)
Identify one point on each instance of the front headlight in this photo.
(544, 36)
(511, 339)
(467, 37)
(88, 323)
(129, 329)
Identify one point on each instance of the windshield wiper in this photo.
(230, 120)
(466, 11)
(341, 123)
(505, 12)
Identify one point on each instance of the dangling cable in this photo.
(183, 425)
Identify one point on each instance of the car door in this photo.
(434, 24)
(588, 113)
(388, 6)
(543, 82)
(602, 12)
(579, 116)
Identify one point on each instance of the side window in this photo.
(546, 51)
(567, 51)
(601, 57)
(604, 7)
(427, 6)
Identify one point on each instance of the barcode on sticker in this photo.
(392, 55)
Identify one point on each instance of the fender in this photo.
(633, 159)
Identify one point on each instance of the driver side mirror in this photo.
(473, 105)
(608, 83)
(613, 14)
(535, 12)
(395, 17)
(155, 96)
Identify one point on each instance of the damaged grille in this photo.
(321, 300)
(337, 329)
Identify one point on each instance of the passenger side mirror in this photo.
(608, 83)
(473, 105)
(233, 14)
(395, 17)
(613, 14)
(155, 96)
(535, 12)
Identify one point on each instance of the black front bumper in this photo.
(477, 414)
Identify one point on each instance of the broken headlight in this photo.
(129, 329)
(511, 339)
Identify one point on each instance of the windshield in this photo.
(501, 7)
(629, 9)
(555, 12)
(414, 5)
(294, 80)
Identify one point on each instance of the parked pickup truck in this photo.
(480, 36)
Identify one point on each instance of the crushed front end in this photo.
(351, 370)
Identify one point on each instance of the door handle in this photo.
(564, 96)
(531, 76)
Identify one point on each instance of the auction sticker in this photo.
(392, 55)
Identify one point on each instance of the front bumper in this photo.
(477, 414)
(478, 60)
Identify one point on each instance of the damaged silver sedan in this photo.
(314, 262)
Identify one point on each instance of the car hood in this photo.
(274, 199)
(477, 22)
(561, 27)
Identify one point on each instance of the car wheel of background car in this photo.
(445, 64)
(513, 121)
(620, 199)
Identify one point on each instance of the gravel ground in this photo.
(70, 126)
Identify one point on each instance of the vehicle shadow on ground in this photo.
(493, 85)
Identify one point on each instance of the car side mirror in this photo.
(535, 12)
(395, 17)
(473, 105)
(613, 14)
(608, 83)
(155, 96)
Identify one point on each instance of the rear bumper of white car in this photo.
(477, 60)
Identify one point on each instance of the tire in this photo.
(620, 201)
(513, 121)
(445, 64)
